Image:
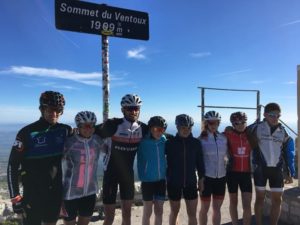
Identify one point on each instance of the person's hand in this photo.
(18, 206)
(201, 184)
(288, 180)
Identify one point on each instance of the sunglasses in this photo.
(238, 123)
(87, 126)
(274, 115)
(53, 109)
(132, 108)
(158, 129)
(211, 122)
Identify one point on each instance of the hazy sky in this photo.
(211, 43)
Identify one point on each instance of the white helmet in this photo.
(212, 115)
(85, 117)
(131, 100)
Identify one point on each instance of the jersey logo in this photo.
(241, 150)
(18, 145)
(41, 140)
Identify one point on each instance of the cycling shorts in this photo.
(80, 207)
(110, 187)
(154, 190)
(273, 174)
(215, 187)
(175, 193)
(239, 179)
(42, 202)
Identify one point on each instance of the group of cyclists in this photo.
(57, 165)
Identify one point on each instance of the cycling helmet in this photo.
(272, 107)
(85, 117)
(53, 99)
(238, 116)
(212, 115)
(131, 100)
(157, 121)
(184, 120)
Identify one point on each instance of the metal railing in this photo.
(257, 108)
(203, 106)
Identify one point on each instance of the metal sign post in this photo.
(298, 107)
(105, 77)
(86, 17)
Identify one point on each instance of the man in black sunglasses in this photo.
(123, 136)
(273, 148)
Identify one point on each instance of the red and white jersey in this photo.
(239, 151)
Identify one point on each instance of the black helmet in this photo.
(272, 107)
(157, 121)
(53, 99)
(184, 120)
(238, 116)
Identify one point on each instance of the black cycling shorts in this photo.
(273, 174)
(239, 179)
(175, 193)
(154, 190)
(215, 187)
(80, 207)
(42, 200)
(110, 187)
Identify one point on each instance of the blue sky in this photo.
(210, 43)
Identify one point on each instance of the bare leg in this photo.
(203, 212)
(246, 200)
(158, 211)
(147, 211)
(258, 206)
(216, 214)
(233, 208)
(126, 211)
(109, 210)
(276, 207)
(173, 218)
(191, 208)
(83, 220)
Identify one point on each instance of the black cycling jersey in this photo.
(184, 158)
(37, 150)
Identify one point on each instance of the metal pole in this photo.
(258, 112)
(298, 107)
(105, 77)
(202, 103)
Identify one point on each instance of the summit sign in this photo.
(86, 17)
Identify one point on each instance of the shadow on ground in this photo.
(265, 221)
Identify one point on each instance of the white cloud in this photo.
(232, 73)
(136, 53)
(290, 82)
(257, 82)
(290, 23)
(200, 54)
(93, 78)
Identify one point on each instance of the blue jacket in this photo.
(151, 162)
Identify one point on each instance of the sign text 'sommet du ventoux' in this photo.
(100, 19)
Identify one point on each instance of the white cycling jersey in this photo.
(215, 150)
(269, 144)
